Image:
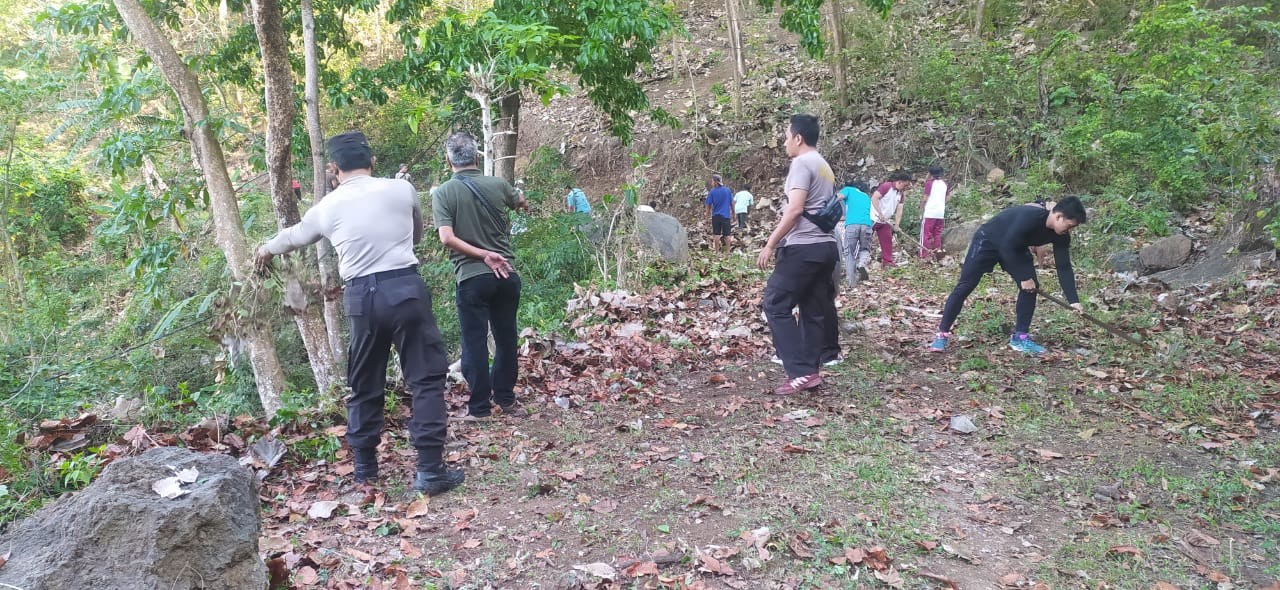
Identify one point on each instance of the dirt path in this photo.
(673, 467)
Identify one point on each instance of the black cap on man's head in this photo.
(350, 151)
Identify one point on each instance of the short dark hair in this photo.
(1071, 208)
(901, 175)
(935, 171)
(461, 148)
(746, 186)
(806, 126)
(860, 185)
(350, 151)
(853, 182)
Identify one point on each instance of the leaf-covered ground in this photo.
(657, 458)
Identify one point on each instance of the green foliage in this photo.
(76, 471)
(1182, 115)
(605, 42)
(46, 205)
(550, 261)
(804, 18)
(545, 177)
(1186, 112)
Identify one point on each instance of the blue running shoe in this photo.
(1023, 343)
(940, 343)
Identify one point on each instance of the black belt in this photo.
(382, 276)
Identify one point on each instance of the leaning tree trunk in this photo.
(278, 85)
(977, 18)
(330, 285)
(227, 228)
(507, 136)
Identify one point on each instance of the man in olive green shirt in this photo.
(471, 215)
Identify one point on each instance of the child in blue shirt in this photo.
(857, 231)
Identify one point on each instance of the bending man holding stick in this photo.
(1007, 239)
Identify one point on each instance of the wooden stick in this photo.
(916, 242)
(1110, 328)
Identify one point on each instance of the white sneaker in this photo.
(833, 362)
(775, 360)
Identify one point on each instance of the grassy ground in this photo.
(1097, 466)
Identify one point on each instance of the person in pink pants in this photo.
(934, 207)
(886, 212)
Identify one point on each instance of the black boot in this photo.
(366, 465)
(436, 479)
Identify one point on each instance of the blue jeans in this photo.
(485, 303)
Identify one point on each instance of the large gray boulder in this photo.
(121, 533)
(663, 235)
(1166, 253)
(955, 237)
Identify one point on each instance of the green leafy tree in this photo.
(495, 55)
(1187, 113)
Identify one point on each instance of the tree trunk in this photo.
(735, 48)
(977, 18)
(330, 285)
(508, 136)
(19, 284)
(1255, 217)
(228, 231)
(838, 70)
(482, 90)
(278, 86)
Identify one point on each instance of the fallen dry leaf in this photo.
(947, 583)
(1012, 580)
(419, 507)
(1046, 454)
(322, 509)
(169, 487)
(1164, 586)
(714, 566)
(307, 575)
(795, 450)
(358, 554)
(409, 549)
(1125, 550)
(878, 559)
(598, 569)
(642, 568)
(799, 546)
(892, 578)
(1199, 539)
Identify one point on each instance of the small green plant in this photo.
(76, 471)
(321, 447)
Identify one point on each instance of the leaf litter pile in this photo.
(656, 458)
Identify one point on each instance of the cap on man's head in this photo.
(350, 151)
(716, 178)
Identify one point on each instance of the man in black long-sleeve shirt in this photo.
(1006, 239)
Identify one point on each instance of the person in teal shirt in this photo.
(576, 200)
(857, 231)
